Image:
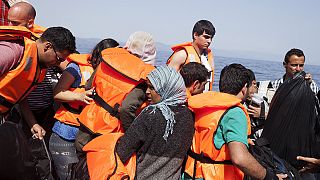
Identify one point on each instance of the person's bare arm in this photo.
(62, 94)
(241, 158)
(31, 120)
(313, 164)
(178, 59)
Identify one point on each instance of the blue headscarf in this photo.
(169, 84)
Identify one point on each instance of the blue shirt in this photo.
(64, 130)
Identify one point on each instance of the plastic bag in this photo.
(269, 160)
(292, 125)
(15, 155)
(41, 158)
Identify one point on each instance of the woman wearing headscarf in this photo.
(162, 133)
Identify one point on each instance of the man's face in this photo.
(295, 64)
(252, 89)
(203, 41)
(16, 17)
(50, 57)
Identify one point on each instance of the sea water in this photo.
(263, 70)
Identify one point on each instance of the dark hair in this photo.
(251, 76)
(96, 52)
(232, 78)
(61, 39)
(291, 52)
(203, 25)
(194, 71)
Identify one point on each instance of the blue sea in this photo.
(264, 70)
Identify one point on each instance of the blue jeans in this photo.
(63, 155)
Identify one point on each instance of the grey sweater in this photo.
(157, 158)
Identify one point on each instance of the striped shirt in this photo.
(42, 96)
(313, 85)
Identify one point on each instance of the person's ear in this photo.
(193, 86)
(30, 23)
(196, 84)
(47, 45)
(195, 34)
(284, 64)
(244, 88)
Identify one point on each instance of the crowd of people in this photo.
(117, 115)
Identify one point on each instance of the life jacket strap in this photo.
(204, 159)
(71, 109)
(113, 111)
(5, 102)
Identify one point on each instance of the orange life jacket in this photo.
(37, 30)
(209, 108)
(193, 56)
(8, 33)
(115, 77)
(69, 112)
(104, 163)
(20, 81)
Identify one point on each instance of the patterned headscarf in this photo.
(169, 84)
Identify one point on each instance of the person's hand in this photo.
(251, 142)
(313, 164)
(254, 111)
(308, 78)
(85, 96)
(38, 131)
(281, 176)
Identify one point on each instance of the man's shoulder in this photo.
(234, 113)
(233, 127)
(235, 117)
(181, 46)
(11, 54)
(178, 58)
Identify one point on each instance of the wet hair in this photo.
(194, 71)
(291, 52)
(251, 76)
(61, 39)
(232, 78)
(96, 52)
(203, 26)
